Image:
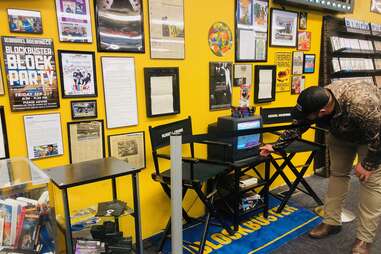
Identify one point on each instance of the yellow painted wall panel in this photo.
(194, 92)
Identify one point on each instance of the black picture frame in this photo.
(303, 15)
(110, 150)
(271, 28)
(62, 74)
(220, 98)
(74, 117)
(258, 68)
(4, 133)
(237, 34)
(305, 70)
(116, 47)
(79, 122)
(162, 72)
(23, 32)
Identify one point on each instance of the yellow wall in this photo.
(194, 92)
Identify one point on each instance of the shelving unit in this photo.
(336, 27)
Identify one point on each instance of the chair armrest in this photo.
(312, 143)
(319, 129)
(218, 162)
(213, 142)
(164, 156)
(185, 159)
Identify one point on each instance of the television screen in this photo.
(248, 141)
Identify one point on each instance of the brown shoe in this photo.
(324, 230)
(360, 247)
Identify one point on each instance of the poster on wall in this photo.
(297, 62)
(376, 6)
(43, 135)
(251, 26)
(74, 21)
(166, 19)
(304, 40)
(31, 72)
(297, 85)
(120, 25)
(77, 71)
(220, 85)
(283, 61)
(129, 147)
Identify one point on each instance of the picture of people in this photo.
(74, 23)
(220, 85)
(261, 13)
(120, 25)
(128, 147)
(297, 85)
(84, 109)
(303, 20)
(77, 74)
(24, 21)
(245, 12)
(220, 38)
(283, 28)
(42, 151)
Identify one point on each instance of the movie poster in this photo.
(220, 89)
(31, 72)
(283, 61)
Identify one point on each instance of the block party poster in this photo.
(31, 73)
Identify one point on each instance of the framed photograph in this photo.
(84, 109)
(120, 25)
(264, 85)
(251, 26)
(24, 21)
(43, 135)
(297, 85)
(242, 74)
(74, 21)
(297, 62)
(119, 89)
(86, 140)
(220, 85)
(36, 88)
(166, 22)
(129, 147)
(77, 69)
(4, 149)
(283, 28)
(303, 20)
(162, 91)
(376, 6)
(304, 40)
(309, 63)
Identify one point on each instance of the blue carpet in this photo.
(256, 234)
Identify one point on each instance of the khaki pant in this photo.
(342, 155)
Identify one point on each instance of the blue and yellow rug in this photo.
(256, 234)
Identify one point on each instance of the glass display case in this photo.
(26, 218)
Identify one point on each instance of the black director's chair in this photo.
(196, 172)
(283, 115)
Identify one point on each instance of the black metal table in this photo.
(77, 174)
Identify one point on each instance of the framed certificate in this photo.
(265, 79)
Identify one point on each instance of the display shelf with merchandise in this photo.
(26, 217)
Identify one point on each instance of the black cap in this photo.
(310, 100)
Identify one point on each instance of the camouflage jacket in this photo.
(356, 118)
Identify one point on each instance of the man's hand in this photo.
(362, 173)
(266, 150)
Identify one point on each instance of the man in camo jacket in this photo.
(352, 113)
